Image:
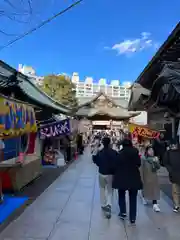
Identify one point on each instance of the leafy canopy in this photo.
(61, 89)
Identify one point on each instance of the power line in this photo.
(41, 24)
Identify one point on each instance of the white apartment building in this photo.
(89, 88)
(31, 73)
(85, 90)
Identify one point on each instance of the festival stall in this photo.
(56, 138)
(18, 130)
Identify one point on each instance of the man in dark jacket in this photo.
(159, 146)
(105, 161)
(127, 178)
(171, 161)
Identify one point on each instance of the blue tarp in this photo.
(9, 206)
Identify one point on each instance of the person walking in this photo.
(80, 145)
(104, 160)
(172, 164)
(149, 167)
(159, 146)
(94, 144)
(127, 178)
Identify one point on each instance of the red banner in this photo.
(142, 131)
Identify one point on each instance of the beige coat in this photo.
(151, 189)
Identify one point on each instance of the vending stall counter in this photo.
(20, 162)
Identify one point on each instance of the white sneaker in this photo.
(176, 209)
(156, 208)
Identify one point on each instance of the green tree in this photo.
(61, 89)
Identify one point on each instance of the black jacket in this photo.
(105, 160)
(171, 161)
(159, 147)
(126, 170)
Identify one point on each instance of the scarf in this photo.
(155, 165)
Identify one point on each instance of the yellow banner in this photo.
(142, 131)
(16, 118)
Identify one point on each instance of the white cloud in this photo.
(145, 35)
(134, 45)
(107, 48)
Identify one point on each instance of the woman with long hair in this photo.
(150, 166)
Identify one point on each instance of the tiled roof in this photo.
(116, 101)
(115, 113)
(36, 94)
(31, 90)
(168, 52)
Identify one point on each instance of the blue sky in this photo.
(99, 38)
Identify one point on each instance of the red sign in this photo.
(143, 131)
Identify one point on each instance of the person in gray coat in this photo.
(149, 167)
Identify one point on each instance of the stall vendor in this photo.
(80, 146)
(49, 155)
(2, 146)
(67, 148)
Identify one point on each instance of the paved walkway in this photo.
(70, 208)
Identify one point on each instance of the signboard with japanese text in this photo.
(16, 118)
(142, 131)
(55, 129)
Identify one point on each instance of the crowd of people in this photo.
(129, 166)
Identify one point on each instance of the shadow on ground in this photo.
(34, 190)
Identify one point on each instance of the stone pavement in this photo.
(70, 208)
